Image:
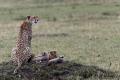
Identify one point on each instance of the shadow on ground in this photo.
(64, 71)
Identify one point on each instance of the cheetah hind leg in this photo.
(18, 67)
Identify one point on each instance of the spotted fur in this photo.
(22, 52)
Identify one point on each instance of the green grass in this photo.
(85, 32)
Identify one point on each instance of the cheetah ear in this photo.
(28, 17)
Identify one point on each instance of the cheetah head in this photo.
(32, 19)
(52, 54)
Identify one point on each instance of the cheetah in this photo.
(50, 57)
(22, 52)
(45, 56)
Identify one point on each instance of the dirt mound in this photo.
(63, 71)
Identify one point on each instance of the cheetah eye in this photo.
(36, 21)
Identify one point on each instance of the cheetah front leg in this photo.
(18, 67)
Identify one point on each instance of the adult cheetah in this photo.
(22, 52)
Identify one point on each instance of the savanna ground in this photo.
(86, 32)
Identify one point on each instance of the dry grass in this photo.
(85, 32)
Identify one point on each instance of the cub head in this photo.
(52, 54)
(32, 19)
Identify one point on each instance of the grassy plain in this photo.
(86, 32)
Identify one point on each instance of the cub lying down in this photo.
(48, 57)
